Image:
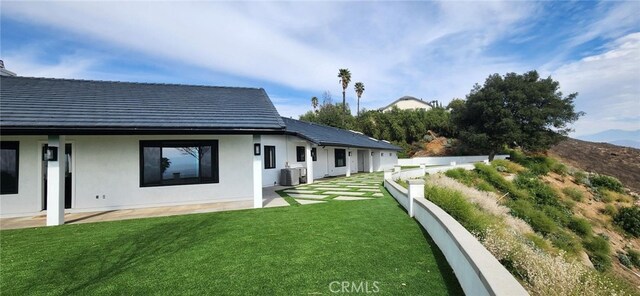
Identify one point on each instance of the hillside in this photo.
(620, 162)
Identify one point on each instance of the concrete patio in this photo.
(270, 199)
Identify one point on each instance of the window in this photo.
(9, 167)
(300, 153)
(269, 157)
(178, 162)
(340, 158)
(314, 155)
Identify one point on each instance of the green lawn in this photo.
(296, 250)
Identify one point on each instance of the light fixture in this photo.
(256, 149)
(371, 153)
(381, 154)
(50, 153)
(313, 153)
(349, 153)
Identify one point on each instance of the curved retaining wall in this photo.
(477, 270)
(446, 160)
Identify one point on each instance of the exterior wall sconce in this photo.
(349, 153)
(371, 153)
(50, 153)
(256, 149)
(313, 153)
(381, 154)
(389, 153)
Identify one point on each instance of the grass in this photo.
(295, 250)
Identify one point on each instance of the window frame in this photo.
(344, 157)
(15, 145)
(215, 160)
(266, 154)
(301, 157)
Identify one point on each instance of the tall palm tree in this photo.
(314, 103)
(359, 86)
(345, 78)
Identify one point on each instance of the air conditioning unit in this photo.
(289, 176)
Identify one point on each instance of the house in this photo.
(81, 145)
(408, 103)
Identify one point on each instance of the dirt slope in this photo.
(620, 162)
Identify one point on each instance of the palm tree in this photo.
(314, 103)
(359, 86)
(345, 78)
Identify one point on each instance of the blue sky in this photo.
(430, 50)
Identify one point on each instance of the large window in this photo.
(9, 167)
(269, 157)
(340, 157)
(178, 162)
(300, 153)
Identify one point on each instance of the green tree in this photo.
(330, 114)
(345, 78)
(515, 109)
(359, 87)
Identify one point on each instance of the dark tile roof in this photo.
(63, 104)
(331, 136)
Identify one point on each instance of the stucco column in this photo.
(257, 173)
(55, 183)
(348, 163)
(416, 190)
(370, 156)
(309, 163)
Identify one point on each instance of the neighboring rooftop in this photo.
(37, 104)
(330, 136)
(408, 102)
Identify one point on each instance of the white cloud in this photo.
(68, 66)
(608, 85)
(433, 50)
(301, 45)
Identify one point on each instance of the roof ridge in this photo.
(129, 82)
(357, 134)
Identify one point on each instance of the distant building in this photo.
(408, 103)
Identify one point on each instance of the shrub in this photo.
(582, 178)
(607, 182)
(560, 214)
(456, 205)
(573, 193)
(634, 257)
(543, 193)
(624, 260)
(610, 210)
(538, 220)
(629, 219)
(484, 186)
(599, 251)
(605, 196)
(560, 169)
(461, 175)
(494, 178)
(564, 240)
(580, 226)
(511, 167)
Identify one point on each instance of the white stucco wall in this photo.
(108, 167)
(384, 160)
(29, 197)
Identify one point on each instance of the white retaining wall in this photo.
(477, 270)
(446, 160)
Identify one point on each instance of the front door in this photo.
(67, 177)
